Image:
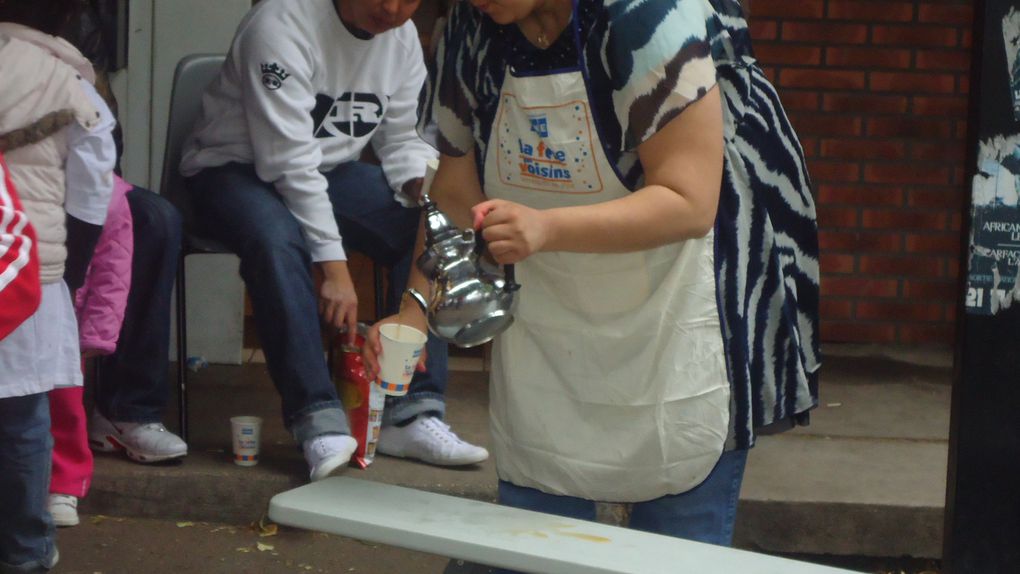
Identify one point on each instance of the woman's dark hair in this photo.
(49, 16)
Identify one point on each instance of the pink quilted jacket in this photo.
(101, 301)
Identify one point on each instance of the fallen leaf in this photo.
(185, 524)
(263, 547)
(267, 528)
(243, 549)
(264, 527)
(833, 405)
(99, 518)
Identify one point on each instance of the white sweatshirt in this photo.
(299, 94)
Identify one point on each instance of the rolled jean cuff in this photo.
(319, 419)
(411, 405)
(44, 565)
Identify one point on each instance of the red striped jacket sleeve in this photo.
(19, 261)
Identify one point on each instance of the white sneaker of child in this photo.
(430, 440)
(143, 442)
(327, 454)
(64, 509)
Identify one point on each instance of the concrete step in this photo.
(866, 478)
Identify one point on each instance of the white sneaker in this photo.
(430, 440)
(143, 442)
(64, 509)
(328, 454)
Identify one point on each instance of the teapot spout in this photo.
(419, 299)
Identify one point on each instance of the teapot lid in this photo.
(438, 226)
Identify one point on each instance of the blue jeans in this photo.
(705, 513)
(132, 385)
(26, 528)
(246, 214)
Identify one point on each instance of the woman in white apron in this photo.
(587, 141)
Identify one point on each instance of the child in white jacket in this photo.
(49, 131)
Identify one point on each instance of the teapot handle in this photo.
(509, 284)
(480, 242)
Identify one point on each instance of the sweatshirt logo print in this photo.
(273, 76)
(354, 114)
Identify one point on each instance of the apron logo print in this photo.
(540, 125)
(543, 162)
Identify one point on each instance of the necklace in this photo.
(548, 19)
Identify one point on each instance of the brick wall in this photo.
(877, 90)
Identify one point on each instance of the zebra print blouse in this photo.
(644, 61)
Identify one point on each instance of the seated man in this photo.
(274, 173)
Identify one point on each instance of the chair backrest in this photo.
(193, 75)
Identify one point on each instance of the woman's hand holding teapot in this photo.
(512, 231)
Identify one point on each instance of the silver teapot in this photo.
(469, 304)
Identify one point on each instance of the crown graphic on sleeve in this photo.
(275, 70)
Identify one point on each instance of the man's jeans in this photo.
(132, 384)
(237, 208)
(26, 528)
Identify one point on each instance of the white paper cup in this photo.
(401, 349)
(246, 431)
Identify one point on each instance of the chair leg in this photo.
(331, 338)
(182, 353)
(94, 373)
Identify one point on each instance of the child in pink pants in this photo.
(99, 305)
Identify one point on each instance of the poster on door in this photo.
(993, 275)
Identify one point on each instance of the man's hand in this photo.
(412, 188)
(338, 301)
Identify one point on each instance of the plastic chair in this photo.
(193, 75)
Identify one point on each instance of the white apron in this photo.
(611, 383)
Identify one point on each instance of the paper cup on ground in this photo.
(246, 431)
(401, 349)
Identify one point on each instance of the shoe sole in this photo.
(102, 444)
(64, 523)
(109, 443)
(445, 463)
(328, 470)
